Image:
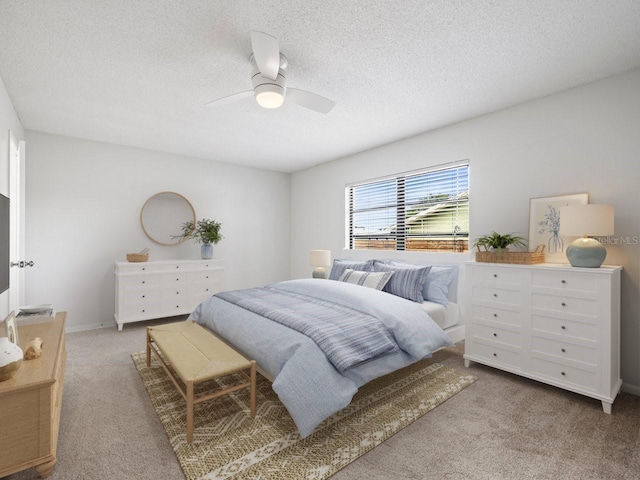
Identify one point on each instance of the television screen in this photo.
(4, 243)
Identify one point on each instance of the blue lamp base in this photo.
(586, 252)
(320, 272)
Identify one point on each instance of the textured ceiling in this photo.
(139, 73)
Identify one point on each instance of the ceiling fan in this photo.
(270, 82)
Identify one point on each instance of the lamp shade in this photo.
(594, 220)
(320, 258)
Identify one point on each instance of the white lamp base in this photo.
(586, 252)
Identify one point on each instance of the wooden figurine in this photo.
(34, 349)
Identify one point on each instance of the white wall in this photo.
(582, 140)
(83, 202)
(9, 121)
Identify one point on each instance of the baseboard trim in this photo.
(90, 326)
(632, 389)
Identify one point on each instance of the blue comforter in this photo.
(306, 382)
(348, 337)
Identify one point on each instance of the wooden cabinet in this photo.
(159, 289)
(553, 323)
(30, 403)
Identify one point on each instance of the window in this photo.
(424, 210)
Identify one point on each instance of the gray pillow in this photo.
(407, 280)
(375, 280)
(339, 266)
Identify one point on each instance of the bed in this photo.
(309, 381)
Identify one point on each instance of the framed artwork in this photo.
(544, 224)
(11, 328)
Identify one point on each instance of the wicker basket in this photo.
(522, 258)
(137, 257)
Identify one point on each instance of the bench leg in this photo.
(189, 411)
(148, 347)
(252, 389)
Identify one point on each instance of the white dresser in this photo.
(553, 323)
(160, 289)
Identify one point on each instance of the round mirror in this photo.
(163, 215)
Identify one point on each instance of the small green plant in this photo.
(203, 231)
(498, 241)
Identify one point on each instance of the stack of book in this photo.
(30, 318)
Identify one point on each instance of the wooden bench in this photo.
(196, 355)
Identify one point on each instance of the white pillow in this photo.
(375, 280)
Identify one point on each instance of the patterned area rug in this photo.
(228, 443)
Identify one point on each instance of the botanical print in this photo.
(544, 224)
(551, 224)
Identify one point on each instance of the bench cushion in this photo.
(195, 353)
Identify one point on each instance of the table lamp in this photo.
(586, 221)
(320, 259)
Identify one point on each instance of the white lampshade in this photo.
(594, 220)
(320, 258)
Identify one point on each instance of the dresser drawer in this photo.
(141, 296)
(138, 282)
(564, 374)
(497, 296)
(139, 311)
(206, 276)
(496, 334)
(497, 275)
(564, 350)
(507, 317)
(564, 327)
(565, 281)
(496, 354)
(557, 303)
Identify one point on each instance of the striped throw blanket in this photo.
(347, 337)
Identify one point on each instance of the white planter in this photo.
(10, 359)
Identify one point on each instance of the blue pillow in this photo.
(339, 266)
(407, 281)
(436, 288)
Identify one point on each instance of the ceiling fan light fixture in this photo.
(269, 95)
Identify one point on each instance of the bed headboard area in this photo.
(418, 258)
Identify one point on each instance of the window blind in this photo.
(422, 210)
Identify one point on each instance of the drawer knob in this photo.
(495, 354)
(143, 269)
(563, 281)
(143, 310)
(207, 290)
(142, 296)
(495, 315)
(563, 327)
(495, 334)
(177, 279)
(564, 304)
(495, 275)
(177, 293)
(143, 282)
(563, 350)
(562, 373)
(495, 295)
(207, 277)
(177, 306)
(177, 266)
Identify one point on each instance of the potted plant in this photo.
(204, 231)
(499, 242)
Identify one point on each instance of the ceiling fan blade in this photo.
(230, 99)
(266, 52)
(310, 100)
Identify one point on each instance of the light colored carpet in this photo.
(501, 427)
(228, 443)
